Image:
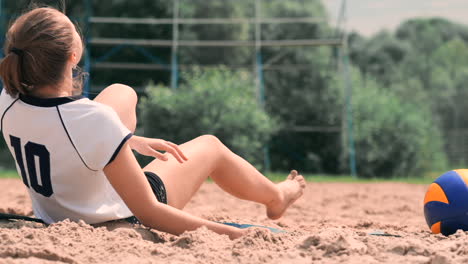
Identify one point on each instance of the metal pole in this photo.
(349, 95)
(175, 38)
(259, 75)
(258, 57)
(2, 27)
(87, 55)
(206, 21)
(2, 32)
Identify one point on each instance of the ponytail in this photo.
(11, 72)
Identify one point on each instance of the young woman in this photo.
(75, 155)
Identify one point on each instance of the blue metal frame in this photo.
(114, 50)
(349, 94)
(174, 68)
(87, 55)
(2, 33)
(148, 55)
(349, 114)
(175, 38)
(174, 71)
(2, 27)
(111, 52)
(261, 99)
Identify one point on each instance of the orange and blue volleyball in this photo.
(446, 203)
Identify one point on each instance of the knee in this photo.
(124, 91)
(212, 141)
(215, 152)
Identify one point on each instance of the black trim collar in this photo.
(49, 102)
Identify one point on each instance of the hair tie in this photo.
(16, 51)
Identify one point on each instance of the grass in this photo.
(349, 179)
(8, 174)
(277, 176)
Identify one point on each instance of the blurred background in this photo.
(372, 89)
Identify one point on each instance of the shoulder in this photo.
(95, 129)
(88, 110)
(88, 105)
(85, 118)
(6, 100)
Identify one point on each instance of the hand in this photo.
(236, 233)
(149, 147)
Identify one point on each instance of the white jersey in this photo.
(61, 146)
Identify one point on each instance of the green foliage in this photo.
(411, 87)
(426, 34)
(6, 173)
(328, 178)
(215, 9)
(449, 76)
(6, 159)
(281, 8)
(305, 99)
(393, 137)
(380, 56)
(296, 89)
(429, 67)
(218, 102)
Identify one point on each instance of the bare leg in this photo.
(123, 100)
(208, 157)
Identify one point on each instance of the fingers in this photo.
(157, 154)
(169, 147)
(175, 154)
(181, 154)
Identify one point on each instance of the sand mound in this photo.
(331, 224)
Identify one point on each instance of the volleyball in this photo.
(446, 203)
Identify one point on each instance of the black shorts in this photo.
(157, 185)
(159, 190)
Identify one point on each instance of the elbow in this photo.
(145, 221)
(147, 217)
(161, 218)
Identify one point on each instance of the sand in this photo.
(329, 224)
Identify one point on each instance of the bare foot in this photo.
(290, 190)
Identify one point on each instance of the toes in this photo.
(301, 180)
(292, 174)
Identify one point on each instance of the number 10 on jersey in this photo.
(33, 150)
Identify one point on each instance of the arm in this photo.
(127, 178)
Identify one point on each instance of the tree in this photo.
(296, 88)
(380, 56)
(215, 101)
(393, 137)
(424, 63)
(231, 56)
(425, 37)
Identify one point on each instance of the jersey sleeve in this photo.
(97, 133)
(5, 102)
